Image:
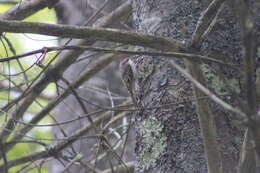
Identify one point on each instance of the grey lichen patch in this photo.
(217, 84)
(154, 141)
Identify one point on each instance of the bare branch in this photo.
(205, 21)
(26, 8)
(91, 34)
(20, 89)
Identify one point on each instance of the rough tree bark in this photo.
(168, 137)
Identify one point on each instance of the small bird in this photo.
(128, 75)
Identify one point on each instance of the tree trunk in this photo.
(168, 133)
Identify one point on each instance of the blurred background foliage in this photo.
(16, 75)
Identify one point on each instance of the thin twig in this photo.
(193, 57)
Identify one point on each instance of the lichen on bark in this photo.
(217, 84)
(154, 140)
